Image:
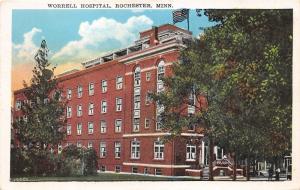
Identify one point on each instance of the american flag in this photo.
(180, 15)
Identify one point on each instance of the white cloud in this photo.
(25, 51)
(97, 36)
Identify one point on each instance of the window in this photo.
(102, 126)
(160, 70)
(46, 100)
(148, 98)
(79, 91)
(134, 169)
(117, 149)
(147, 123)
(159, 150)
(90, 127)
(103, 106)
(104, 86)
(79, 144)
(160, 75)
(102, 149)
(59, 148)
(18, 104)
(118, 104)
(158, 171)
(91, 109)
(79, 128)
(158, 123)
(102, 168)
(137, 100)
(148, 76)
(136, 114)
(137, 76)
(118, 125)
(118, 168)
(69, 128)
(190, 152)
(119, 82)
(91, 89)
(146, 171)
(79, 110)
(69, 112)
(191, 104)
(69, 94)
(136, 124)
(135, 149)
(90, 144)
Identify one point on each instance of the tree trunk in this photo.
(248, 169)
(234, 166)
(211, 159)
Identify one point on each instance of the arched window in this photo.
(137, 76)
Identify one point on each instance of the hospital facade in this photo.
(109, 108)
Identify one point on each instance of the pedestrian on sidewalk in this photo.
(270, 171)
(277, 174)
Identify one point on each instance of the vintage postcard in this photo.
(154, 94)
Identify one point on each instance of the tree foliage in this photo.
(42, 124)
(241, 73)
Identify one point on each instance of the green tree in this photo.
(257, 75)
(42, 124)
(240, 70)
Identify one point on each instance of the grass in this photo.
(101, 177)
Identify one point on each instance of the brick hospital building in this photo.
(109, 108)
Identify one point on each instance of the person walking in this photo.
(270, 171)
(277, 174)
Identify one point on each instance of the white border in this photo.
(6, 7)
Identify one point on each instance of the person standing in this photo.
(270, 171)
(277, 174)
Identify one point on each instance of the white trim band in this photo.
(161, 134)
(146, 134)
(156, 165)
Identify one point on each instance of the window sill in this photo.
(135, 158)
(190, 160)
(158, 159)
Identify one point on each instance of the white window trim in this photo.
(103, 111)
(79, 112)
(121, 102)
(90, 131)
(192, 158)
(120, 128)
(79, 131)
(69, 129)
(91, 90)
(117, 152)
(79, 92)
(104, 87)
(69, 111)
(160, 146)
(119, 84)
(103, 150)
(69, 94)
(134, 153)
(103, 127)
(91, 109)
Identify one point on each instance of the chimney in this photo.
(154, 36)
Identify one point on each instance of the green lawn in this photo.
(101, 177)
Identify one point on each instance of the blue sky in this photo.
(77, 35)
(61, 26)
